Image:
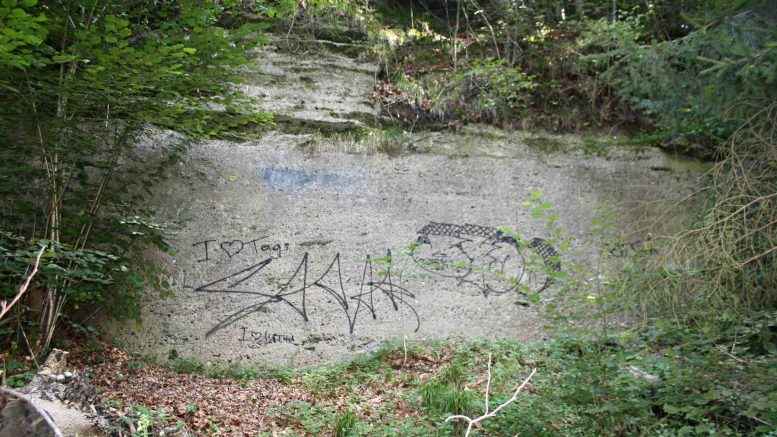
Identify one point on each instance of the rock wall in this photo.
(296, 254)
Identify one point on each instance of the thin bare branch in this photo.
(488, 382)
(472, 422)
(5, 306)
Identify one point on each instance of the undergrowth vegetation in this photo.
(665, 380)
(725, 264)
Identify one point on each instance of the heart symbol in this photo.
(227, 247)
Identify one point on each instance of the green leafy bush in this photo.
(498, 92)
(79, 87)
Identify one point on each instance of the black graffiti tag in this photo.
(232, 248)
(294, 292)
(484, 257)
(254, 339)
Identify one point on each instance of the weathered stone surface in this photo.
(282, 254)
(281, 257)
(313, 89)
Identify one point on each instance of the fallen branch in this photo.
(472, 422)
(324, 41)
(39, 410)
(5, 306)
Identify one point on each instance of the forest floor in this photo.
(379, 390)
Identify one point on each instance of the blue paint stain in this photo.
(291, 179)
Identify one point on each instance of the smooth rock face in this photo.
(282, 257)
(296, 254)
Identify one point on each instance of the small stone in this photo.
(60, 378)
(68, 374)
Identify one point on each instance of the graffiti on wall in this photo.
(377, 284)
(255, 339)
(485, 258)
(481, 257)
(213, 249)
